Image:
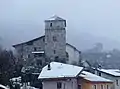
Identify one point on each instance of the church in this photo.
(50, 47)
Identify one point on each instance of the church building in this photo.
(50, 47)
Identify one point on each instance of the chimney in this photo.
(49, 67)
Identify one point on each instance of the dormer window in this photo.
(50, 24)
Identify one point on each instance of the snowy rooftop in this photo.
(55, 17)
(59, 70)
(92, 77)
(114, 72)
(3, 87)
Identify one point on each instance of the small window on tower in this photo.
(35, 49)
(50, 24)
(54, 38)
(54, 52)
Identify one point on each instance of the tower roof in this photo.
(55, 17)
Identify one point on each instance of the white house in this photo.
(112, 74)
(60, 76)
(65, 76)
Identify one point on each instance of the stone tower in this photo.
(55, 38)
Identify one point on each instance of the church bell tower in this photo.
(55, 38)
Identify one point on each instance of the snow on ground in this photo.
(28, 87)
(18, 79)
(3, 87)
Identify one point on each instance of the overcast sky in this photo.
(24, 19)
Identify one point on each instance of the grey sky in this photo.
(23, 19)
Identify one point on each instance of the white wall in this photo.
(72, 84)
(73, 54)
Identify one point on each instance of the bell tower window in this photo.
(50, 24)
(54, 38)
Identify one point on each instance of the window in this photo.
(102, 87)
(50, 24)
(38, 55)
(39, 48)
(64, 86)
(117, 82)
(54, 38)
(54, 51)
(65, 24)
(94, 86)
(59, 85)
(56, 59)
(39, 62)
(107, 86)
(28, 56)
(79, 86)
(35, 49)
(43, 39)
(99, 74)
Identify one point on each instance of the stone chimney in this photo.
(49, 67)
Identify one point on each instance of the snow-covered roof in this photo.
(114, 72)
(2, 86)
(55, 17)
(28, 87)
(59, 70)
(93, 78)
(16, 79)
(37, 52)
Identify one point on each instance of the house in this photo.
(60, 76)
(88, 80)
(51, 46)
(112, 74)
(65, 76)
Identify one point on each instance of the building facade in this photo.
(112, 74)
(55, 38)
(51, 46)
(57, 76)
